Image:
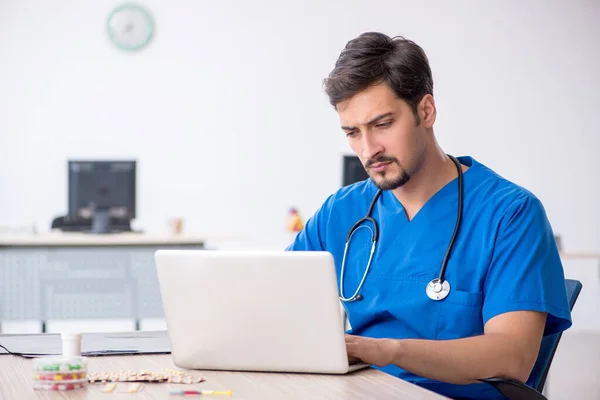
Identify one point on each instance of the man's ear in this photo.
(427, 111)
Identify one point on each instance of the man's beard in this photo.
(387, 183)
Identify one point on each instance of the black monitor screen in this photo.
(102, 185)
(353, 171)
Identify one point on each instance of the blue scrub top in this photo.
(504, 259)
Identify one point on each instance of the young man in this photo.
(502, 286)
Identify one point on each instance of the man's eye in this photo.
(351, 134)
(384, 124)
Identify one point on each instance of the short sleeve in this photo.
(526, 271)
(312, 237)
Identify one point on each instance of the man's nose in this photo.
(370, 147)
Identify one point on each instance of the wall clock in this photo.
(130, 27)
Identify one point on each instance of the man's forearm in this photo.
(462, 361)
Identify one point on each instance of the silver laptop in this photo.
(272, 311)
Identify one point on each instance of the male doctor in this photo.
(504, 279)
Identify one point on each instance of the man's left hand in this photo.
(379, 352)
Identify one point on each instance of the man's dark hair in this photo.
(374, 58)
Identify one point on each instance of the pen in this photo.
(186, 392)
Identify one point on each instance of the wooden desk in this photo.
(16, 383)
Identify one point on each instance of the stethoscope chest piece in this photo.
(437, 290)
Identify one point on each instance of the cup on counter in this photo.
(176, 225)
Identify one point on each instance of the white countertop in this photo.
(64, 239)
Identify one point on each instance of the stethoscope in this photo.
(438, 288)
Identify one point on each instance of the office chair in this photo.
(534, 386)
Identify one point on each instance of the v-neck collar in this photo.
(398, 208)
(430, 203)
(397, 225)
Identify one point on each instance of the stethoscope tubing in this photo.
(439, 288)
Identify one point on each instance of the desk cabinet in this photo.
(81, 281)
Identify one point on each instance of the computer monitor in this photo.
(102, 191)
(353, 171)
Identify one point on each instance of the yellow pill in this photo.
(109, 387)
(134, 387)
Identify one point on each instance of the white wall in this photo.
(231, 88)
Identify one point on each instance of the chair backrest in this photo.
(537, 379)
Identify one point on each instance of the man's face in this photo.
(383, 132)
